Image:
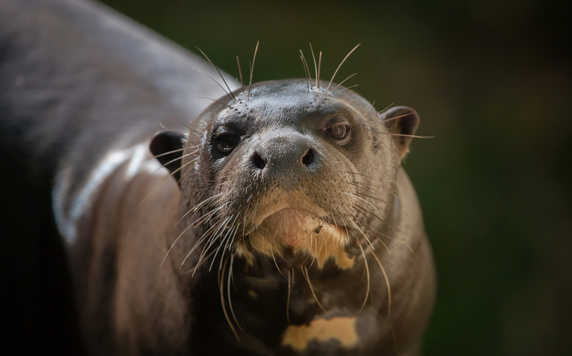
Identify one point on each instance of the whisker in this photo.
(169, 152)
(179, 158)
(341, 63)
(174, 243)
(182, 167)
(229, 237)
(217, 235)
(345, 80)
(221, 275)
(336, 223)
(195, 246)
(200, 205)
(393, 240)
(366, 265)
(230, 243)
(367, 202)
(224, 240)
(164, 166)
(315, 63)
(207, 98)
(412, 136)
(363, 195)
(306, 69)
(253, 62)
(382, 269)
(380, 240)
(275, 263)
(239, 71)
(395, 117)
(207, 216)
(363, 189)
(219, 85)
(218, 71)
(203, 260)
(148, 194)
(355, 173)
(385, 277)
(289, 293)
(369, 212)
(309, 282)
(203, 237)
(319, 67)
(228, 293)
(362, 198)
(385, 107)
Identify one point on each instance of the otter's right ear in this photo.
(167, 147)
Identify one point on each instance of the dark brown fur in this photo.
(235, 254)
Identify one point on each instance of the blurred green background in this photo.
(492, 81)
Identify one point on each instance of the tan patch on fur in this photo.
(296, 229)
(341, 329)
(291, 219)
(242, 251)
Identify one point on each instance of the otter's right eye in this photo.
(224, 142)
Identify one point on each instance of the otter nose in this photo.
(286, 154)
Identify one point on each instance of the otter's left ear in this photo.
(402, 122)
(167, 147)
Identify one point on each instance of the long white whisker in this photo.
(341, 63)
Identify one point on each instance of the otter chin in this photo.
(290, 224)
(297, 228)
(293, 232)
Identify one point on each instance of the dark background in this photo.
(492, 81)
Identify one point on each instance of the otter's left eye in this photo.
(339, 131)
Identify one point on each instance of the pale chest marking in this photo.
(341, 329)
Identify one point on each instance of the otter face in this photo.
(288, 171)
(283, 180)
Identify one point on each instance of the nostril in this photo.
(308, 157)
(258, 161)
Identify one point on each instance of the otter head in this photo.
(283, 176)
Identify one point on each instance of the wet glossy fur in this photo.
(160, 266)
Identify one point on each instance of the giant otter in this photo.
(277, 220)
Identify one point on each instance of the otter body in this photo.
(275, 221)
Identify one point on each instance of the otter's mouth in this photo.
(294, 234)
(298, 228)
